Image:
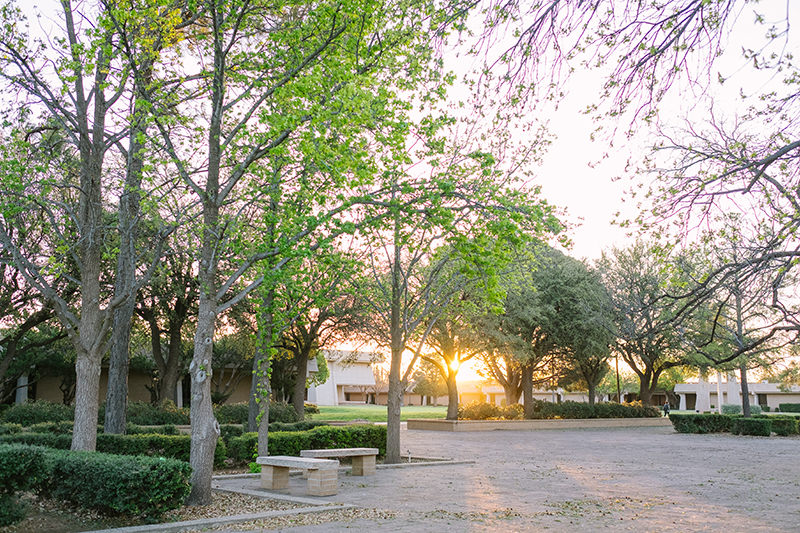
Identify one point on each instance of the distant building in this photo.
(704, 395)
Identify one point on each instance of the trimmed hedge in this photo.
(550, 410)
(244, 448)
(170, 446)
(21, 467)
(760, 427)
(783, 425)
(138, 486)
(10, 429)
(235, 413)
(789, 407)
(695, 423)
(29, 413)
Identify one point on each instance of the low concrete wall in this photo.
(526, 425)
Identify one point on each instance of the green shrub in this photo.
(305, 425)
(761, 427)
(705, 423)
(243, 448)
(10, 429)
(21, 467)
(310, 409)
(229, 431)
(169, 446)
(731, 409)
(282, 412)
(29, 413)
(147, 414)
(234, 413)
(137, 486)
(478, 410)
(550, 410)
(765, 408)
(755, 409)
(785, 425)
(789, 407)
(169, 429)
(56, 428)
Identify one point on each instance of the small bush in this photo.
(760, 427)
(10, 429)
(29, 413)
(56, 428)
(785, 425)
(169, 429)
(282, 412)
(229, 431)
(765, 408)
(478, 410)
(694, 423)
(137, 486)
(513, 412)
(755, 409)
(789, 407)
(147, 414)
(310, 409)
(21, 467)
(234, 413)
(731, 409)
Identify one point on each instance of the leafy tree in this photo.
(643, 317)
(428, 381)
(75, 80)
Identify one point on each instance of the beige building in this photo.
(707, 394)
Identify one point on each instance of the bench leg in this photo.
(323, 482)
(363, 465)
(274, 477)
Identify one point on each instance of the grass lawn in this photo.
(376, 413)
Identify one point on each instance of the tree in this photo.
(643, 316)
(739, 311)
(167, 305)
(294, 98)
(77, 83)
(428, 381)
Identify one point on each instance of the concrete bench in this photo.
(322, 473)
(363, 458)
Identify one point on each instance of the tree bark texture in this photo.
(527, 390)
(452, 395)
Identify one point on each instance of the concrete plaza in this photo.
(625, 479)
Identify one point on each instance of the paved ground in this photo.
(629, 479)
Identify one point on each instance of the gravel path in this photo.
(627, 479)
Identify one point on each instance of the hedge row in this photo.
(136, 486)
(170, 446)
(244, 448)
(760, 425)
(568, 409)
(145, 414)
(789, 407)
(21, 467)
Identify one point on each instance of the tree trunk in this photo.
(299, 395)
(452, 396)
(117, 392)
(527, 390)
(87, 393)
(745, 390)
(205, 429)
(258, 414)
(168, 384)
(592, 392)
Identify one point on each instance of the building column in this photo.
(703, 402)
(734, 389)
(179, 394)
(682, 402)
(22, 389)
